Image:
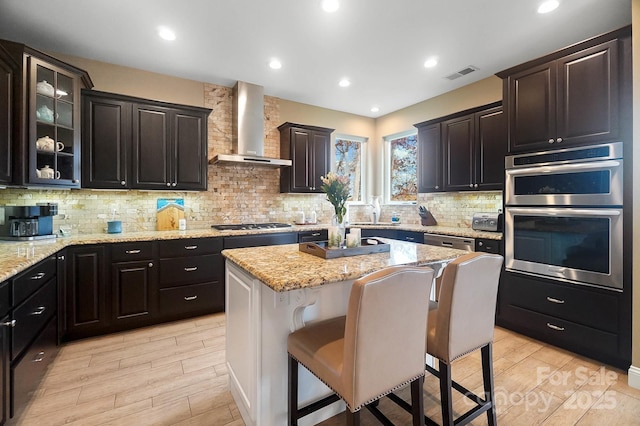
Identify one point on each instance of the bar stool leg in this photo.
(445, 393)
(487, 378)
(293, 392)
(353, 419)
(417, 402)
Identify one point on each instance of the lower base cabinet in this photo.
(119, 286)
(581, 319)
(28, 371)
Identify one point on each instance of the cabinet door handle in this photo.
(191, 269)
(61, 257)
(551, 140)
(168, 183)
(174, 184)
(437, 187)
(150, 264)
(123, 183)
(190, 247)
(475, 185)
(555, 327)
(39, 357)
(133, 251)
(38, 276)
(39, 310)
(190, 298)
(554, 300)
(558, 140)
(11, 323)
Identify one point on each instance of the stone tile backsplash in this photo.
(236, 193)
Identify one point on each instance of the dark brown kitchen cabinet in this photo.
(5, 351)
(7, 71)
(463, 151)
(191, 278)
(85, 302)
(474, 147)
(136, 143)
(46, 106)
(309, 149)
(32, 326)
(429, 158)
(133, 285)
(571, 97)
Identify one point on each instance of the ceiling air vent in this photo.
(462, 72)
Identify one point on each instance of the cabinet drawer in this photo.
(190, 270)
(5, 301)
(32, 316)
(132, 251)
(592, 308)
(207, 297)
(33, 278)
(566, 334)
(27, 373)
(189, 247)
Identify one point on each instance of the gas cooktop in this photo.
(240, 226)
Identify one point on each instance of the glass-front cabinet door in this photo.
(54, 133)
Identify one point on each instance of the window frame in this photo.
(387, 167)
(363, 162)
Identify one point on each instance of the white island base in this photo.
(258, 323)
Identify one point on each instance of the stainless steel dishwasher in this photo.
(462, 243)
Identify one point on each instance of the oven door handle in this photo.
(564, 211)
(595, 165)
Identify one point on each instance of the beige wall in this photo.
(134, 82)
(635, 357)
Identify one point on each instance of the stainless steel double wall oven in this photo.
(563, 214)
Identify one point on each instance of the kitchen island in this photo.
(272, 291)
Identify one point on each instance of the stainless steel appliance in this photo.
(491, 222)
(462, 243)
(27, 222)
(563, 215)
(242, 226)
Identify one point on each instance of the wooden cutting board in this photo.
(169, 213)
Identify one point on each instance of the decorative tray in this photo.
(367, 246)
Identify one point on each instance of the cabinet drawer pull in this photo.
(11, 323)
(39, 310)
(555, 327)
(133, 251)
(38, 276)
(410, 239)
(39, 357)
(190, 298)
(554, 300)
(315, 234)
(190, 247)
(191, 269)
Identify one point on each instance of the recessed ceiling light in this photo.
(431, 62)
(166, 33)
(330, 5)
(344, 83)
(275, 64)
(375, 109)
(548, 6)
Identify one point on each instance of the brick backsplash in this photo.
(236, 193)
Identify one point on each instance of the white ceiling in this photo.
(380, 45)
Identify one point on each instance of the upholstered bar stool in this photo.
(461, 322)
(376, 348)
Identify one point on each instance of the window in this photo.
(401, 166)
(348, 156)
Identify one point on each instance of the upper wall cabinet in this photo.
(7, 71)
(141, 144)
(46, 108)
(572, 97)
(309, 148)
(463, 151)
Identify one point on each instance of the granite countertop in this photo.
(285, 268)
(18, 256)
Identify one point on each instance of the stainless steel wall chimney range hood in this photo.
(248, 128)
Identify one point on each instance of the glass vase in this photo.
(336, 233)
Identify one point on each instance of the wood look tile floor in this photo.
(175, 374)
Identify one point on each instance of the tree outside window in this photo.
(403, 176)
(348, 161)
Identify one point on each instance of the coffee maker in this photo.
(20, 223)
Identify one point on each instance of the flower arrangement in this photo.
(337, 189)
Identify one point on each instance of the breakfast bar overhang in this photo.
(272, 291)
